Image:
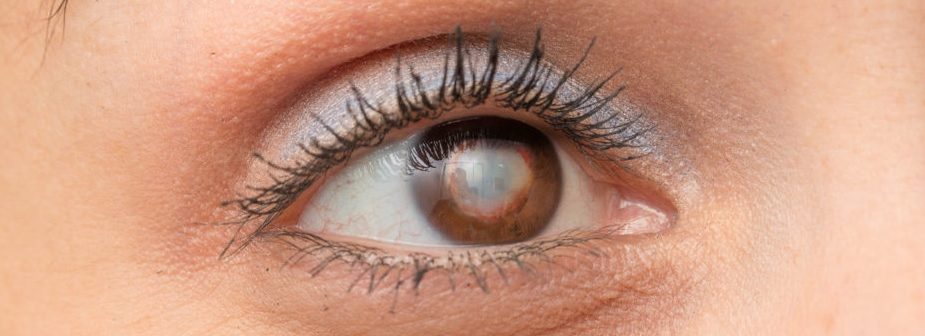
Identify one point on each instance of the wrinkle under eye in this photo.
(486, 180)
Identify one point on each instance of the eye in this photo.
(480, 180)
(451, 157)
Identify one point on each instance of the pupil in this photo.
(489, 180)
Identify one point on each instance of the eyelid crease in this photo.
(582, 116)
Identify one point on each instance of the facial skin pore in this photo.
(797, 128)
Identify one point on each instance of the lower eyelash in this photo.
(529, 89)
(377, 266)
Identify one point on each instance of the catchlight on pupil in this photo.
(486, 180)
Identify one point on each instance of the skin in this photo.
(803, 121)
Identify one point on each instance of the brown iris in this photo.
(489, 180)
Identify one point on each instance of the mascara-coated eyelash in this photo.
(536, 86)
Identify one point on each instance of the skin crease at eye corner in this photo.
(128, 134)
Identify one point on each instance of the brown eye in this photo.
(486, 180)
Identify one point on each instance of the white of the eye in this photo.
(373, 198)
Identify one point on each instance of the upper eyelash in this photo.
(530, 89)
(420, 155)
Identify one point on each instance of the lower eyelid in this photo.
(620, 280)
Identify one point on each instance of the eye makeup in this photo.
(416, 87)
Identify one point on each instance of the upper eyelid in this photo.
(336, 90)
(582, 106)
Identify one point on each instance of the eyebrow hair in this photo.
(57, 13)
(57, 16)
